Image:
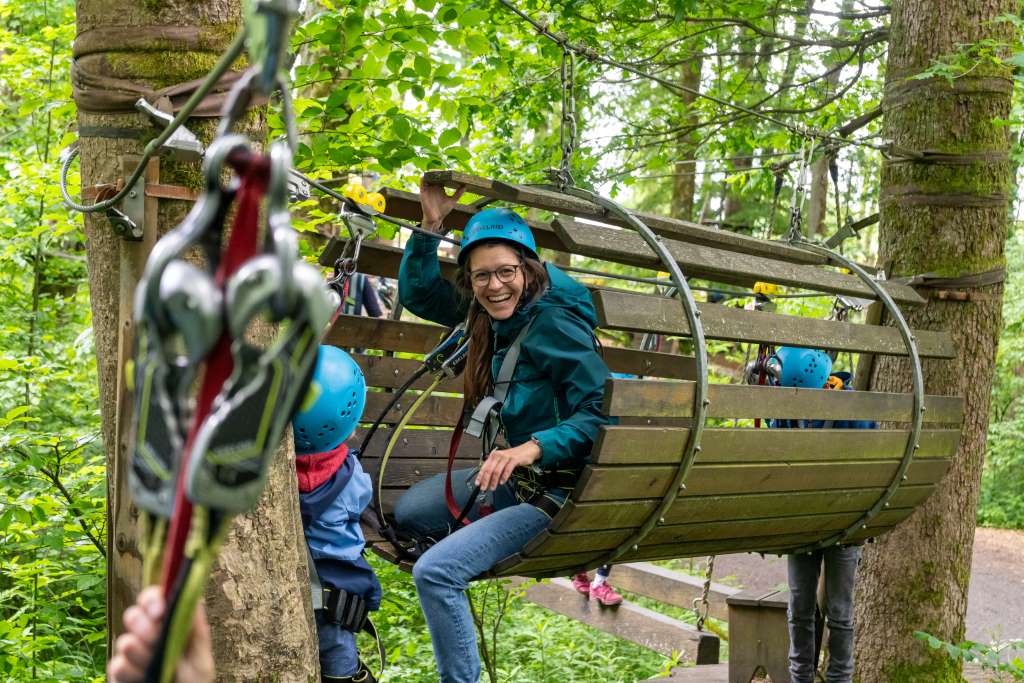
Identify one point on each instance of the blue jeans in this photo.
(338, 654)
(840, 572)
(442, 574)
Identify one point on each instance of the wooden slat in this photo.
(406, 205)
(675, 399)
(634, 623)
(561, 203)
(649, 363)
(389, 372)
(617, 445)
(417, 443)
(404, 472)
(564, 565)
(620, 310)
(623, 483)
(436, 411)
(384, 334)
(549, 543)
(577, 516)
(384, 260)
(672, 587)
(719, 265)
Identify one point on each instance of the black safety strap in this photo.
(343, 608)
(485, 421)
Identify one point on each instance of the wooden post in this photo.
(124, 569)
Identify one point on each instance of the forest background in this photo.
(387, 89)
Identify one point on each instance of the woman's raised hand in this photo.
(437, 204)
(499, 464)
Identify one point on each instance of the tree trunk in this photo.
(684, 182)
(952, 219)
(258, 598)
(817, 205)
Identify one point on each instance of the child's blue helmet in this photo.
(497, 224)
(333, 405)
(805, 368)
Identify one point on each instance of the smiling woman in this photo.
(534, 374)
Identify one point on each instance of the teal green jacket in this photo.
(558, 385)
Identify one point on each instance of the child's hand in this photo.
(134, 648)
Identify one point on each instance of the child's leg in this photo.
(338, 655)
(840, 574)
(601, 575)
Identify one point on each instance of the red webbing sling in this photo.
(242, 245)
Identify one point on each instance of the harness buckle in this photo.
(488, 408)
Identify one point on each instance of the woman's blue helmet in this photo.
(497, 224)
(333, 405)
(805, 368)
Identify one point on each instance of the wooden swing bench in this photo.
(740, 489)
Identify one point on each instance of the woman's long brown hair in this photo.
(477, 377)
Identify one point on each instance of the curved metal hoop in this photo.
(917, 417)
(700, 398)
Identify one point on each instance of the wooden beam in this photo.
(675, 399)
(551, 543)
(406, 206)
(636, 624)
(616, 445)
(620, 310)
(384, 334)
(720, 265)
(560, 203)
(576, 516)
(565, 565)
(624, 483)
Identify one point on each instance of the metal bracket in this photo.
(128, 222)
(183, 143)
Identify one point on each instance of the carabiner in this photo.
(281, 238)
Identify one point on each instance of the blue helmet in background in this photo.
(804, 368)
(333, 405)
(497, 224)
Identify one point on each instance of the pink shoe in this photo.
(605, 595)
(581, 582)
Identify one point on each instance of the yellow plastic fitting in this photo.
(376, 201)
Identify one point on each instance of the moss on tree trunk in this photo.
(950, 218)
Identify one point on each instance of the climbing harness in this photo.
(349, 611)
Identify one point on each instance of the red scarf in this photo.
(314, 469)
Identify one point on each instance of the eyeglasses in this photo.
(505, 274)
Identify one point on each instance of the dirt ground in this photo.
(995, 602)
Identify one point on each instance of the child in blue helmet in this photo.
(812, 369)
(333, 492)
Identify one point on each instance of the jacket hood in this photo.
(562, 292)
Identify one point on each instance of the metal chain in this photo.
(567, 129)
(799, 190)
(701, 606)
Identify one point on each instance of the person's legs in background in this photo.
(803, 587)
(840, 575)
